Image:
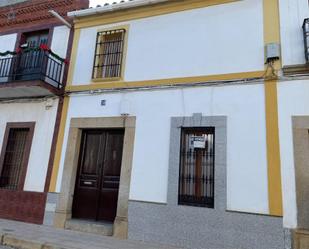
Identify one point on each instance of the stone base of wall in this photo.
(301, 239)
(199, 228)
(50, 208)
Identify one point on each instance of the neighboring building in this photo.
(33, 72)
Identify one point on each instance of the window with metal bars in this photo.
(306, 38)
(196, 176)
(14, 157)
(109, 54)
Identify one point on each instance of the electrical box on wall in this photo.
(272, 52)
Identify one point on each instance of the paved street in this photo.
(31, 236)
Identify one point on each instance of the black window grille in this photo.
(306, 38)
(13, 158)
(109, 54)
(196, 176)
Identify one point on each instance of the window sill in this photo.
(296, 70)
(101, 80)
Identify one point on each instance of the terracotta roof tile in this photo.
(33, 12)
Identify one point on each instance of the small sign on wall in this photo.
(103, 102)
(198, 142)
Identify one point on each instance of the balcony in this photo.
(35, 73)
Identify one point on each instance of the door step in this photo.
(102, 228)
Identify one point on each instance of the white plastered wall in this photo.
(246, 148)
(60, 40)
(221, 39)
(7, 42)
(293, 100)
(42, 139)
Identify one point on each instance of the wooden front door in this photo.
(97, 181)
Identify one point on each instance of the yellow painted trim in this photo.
(107, 79)
(60, 139)
(272, 34)
(126, 27)
(272, 25)
(146, 11)
(273, 149)
(161, 82)
(73, 56)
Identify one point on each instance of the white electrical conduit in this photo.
(60, 18)
(258, 80)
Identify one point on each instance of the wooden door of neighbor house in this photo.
(98, 176)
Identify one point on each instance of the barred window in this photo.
(196, 177)
(109, 54)
(15, 154)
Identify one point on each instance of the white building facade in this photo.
(185, 72)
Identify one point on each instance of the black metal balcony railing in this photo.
(32, 65)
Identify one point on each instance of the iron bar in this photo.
(196, 177)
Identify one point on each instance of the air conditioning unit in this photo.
(306, 38)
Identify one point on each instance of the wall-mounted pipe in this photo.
(60, 18)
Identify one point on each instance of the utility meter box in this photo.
(272, 52)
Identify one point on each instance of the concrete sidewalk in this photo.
(29, 236)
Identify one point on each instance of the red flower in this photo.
(18, 50)
(44, 47)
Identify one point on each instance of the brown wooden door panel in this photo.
(86, 195)
(97, 182)
(113, 154)
(85, 204)
(108, 205)
(111, 176)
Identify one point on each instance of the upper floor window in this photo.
(196, 177)
(109, 54)
(35, 39)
